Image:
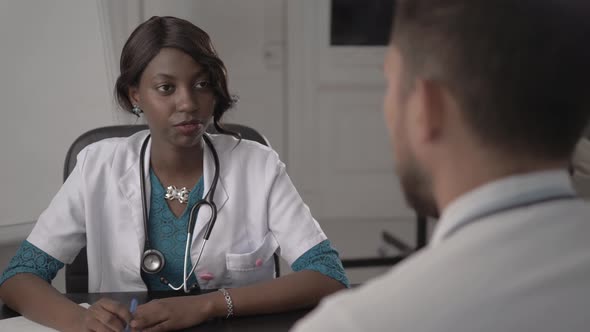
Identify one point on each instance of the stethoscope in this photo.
(153, 260)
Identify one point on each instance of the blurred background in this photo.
(308, 74)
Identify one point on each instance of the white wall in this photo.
(54, 87)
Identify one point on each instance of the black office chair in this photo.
(77, 272)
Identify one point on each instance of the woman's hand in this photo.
(175, 313)
(106, 315)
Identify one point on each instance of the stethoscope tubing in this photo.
(207, 200)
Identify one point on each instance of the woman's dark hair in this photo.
(157, 33)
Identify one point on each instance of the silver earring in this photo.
(136, 110)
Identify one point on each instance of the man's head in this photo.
(505, 78)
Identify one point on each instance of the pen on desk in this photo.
(132, 308)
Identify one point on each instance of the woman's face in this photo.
(175, 95)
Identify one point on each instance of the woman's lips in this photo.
(189, 128)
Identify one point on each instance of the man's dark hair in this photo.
(518, 68)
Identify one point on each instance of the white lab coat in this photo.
(100, 207)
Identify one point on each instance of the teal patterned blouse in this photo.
(168, 234)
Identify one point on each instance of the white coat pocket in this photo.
(252, 267)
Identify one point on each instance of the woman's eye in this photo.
(202, 84)
(165, 88)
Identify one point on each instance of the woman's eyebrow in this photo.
(163, 76)
(199, 73)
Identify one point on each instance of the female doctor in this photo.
(152, 207)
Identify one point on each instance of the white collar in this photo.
(499, 195)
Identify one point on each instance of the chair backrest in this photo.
(77, 272)
(101, 133)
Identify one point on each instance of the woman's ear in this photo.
(133, 93)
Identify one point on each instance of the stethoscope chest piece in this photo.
(152, 261)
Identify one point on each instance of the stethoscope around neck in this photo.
(152, 260)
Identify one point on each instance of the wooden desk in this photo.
(262, 323)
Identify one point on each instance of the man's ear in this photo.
(430, 103)
(133, 94)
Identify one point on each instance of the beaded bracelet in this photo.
(228, 302)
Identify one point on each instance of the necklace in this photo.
(173, 193)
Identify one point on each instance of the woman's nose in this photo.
(186, 100)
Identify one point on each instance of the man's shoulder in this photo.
(373, 306)
(506, 278)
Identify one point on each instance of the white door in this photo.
(339, 152)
